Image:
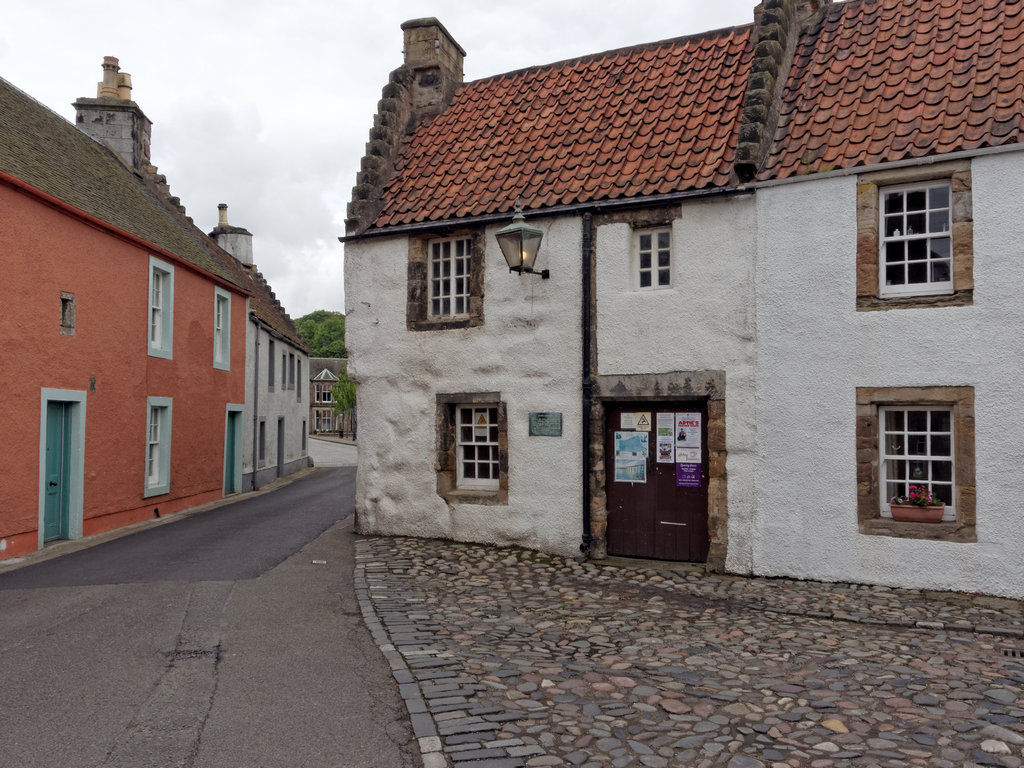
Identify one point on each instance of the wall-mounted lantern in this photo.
(519, 243)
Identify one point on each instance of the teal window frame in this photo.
(221, 329)
(160, 302)
(162, 485)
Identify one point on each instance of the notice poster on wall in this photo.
(688, 475)
(666, 443)
(687, 429)
(631, 451)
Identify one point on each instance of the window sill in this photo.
(443, 324)
(873, 303)
(498, 497)
(952, 531)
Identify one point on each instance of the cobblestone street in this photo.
(510, 658)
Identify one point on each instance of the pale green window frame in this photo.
(160, 320)
(157, 463)
(221, 329)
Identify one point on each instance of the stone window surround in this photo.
(961, 400)
(958, 173)
(447, 455)
(418, 301)
(67, 313)
(677, 386)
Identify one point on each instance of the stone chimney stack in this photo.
(112, 118)
(435, 60)
(777, 28)
(235, 240)
(417, 91)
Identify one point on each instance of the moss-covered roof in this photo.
(45, 151)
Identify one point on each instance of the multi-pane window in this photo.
(917, 449)
(477, 446)
(654, 258)
(916, 242)
(221, 329)
(449, 267)
(270, 365)
(160, 324)
(158, 446)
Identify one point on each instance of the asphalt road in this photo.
(227, 638)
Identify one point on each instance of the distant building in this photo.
(324, 373)
(277, 360)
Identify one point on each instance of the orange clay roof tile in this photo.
(923, 77)
(547, 127)
(871, 81)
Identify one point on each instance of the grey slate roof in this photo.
(45, 151)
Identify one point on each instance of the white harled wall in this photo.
(704, 322)
(814, 349)
(528, 350)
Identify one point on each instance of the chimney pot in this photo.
(107, 88)
(222, 214)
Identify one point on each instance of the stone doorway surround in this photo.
(662, 387)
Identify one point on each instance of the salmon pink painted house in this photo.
(122, 340)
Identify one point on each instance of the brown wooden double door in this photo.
(657, 505)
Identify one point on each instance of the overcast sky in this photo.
(267, 105)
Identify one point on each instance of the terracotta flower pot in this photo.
(908, 513)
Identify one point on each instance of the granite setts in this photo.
(508, 658)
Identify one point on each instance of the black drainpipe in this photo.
(587, 384)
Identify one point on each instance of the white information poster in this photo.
(631, 451)
(666, 444)
(687, 433)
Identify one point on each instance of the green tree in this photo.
(324, 332)
(344, 394)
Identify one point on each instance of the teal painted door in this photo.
(232, 455)
(56, 521)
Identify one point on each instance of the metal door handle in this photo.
(53, 484)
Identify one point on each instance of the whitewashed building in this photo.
(783, 288)
(276, 373)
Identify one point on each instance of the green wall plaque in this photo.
(545, 425)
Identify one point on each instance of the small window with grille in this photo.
(449, 269)
(654, 258)
(916, 240)
(477, 447)
(917, 450)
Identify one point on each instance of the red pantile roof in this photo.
(895, 79)
(871, 81)
(638, 121)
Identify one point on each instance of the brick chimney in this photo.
(235, 240)
(112, 118)
(417, 91)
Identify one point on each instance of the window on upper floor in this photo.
(270, 365)
(158, 446)
(448, 283)
(653, 258)
(291, 371)
(445, 282)
(916, 240)
(161, 308)
(916, 436)
(915, 235)
(221, 329)
(298, 378)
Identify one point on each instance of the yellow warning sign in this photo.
(481, 426)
